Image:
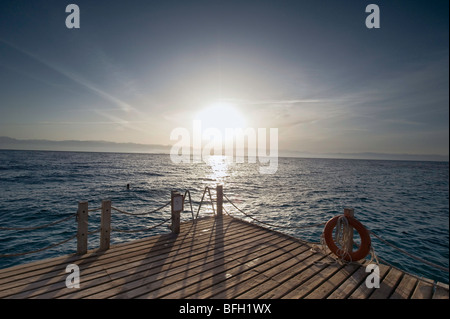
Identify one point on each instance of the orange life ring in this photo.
(359, 254)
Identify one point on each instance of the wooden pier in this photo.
(212, 257)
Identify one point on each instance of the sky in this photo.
(136, 70)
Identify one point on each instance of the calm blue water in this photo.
(406, 203)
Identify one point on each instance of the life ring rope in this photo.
(342, 221)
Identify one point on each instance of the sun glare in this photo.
(221, 115)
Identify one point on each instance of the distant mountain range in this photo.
(104, 146)
(372, 156)
(84, 146)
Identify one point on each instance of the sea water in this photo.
(404, 202)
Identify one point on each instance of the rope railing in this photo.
(146, 213)
(140, 214)
(39, 250)
(105, 228)
(187, 195)
(81, 219)
(201, 202)
(410, 255)
(324, 223)
(190, 201)
(38, 227)
(141, 229)
(269, 224)
(94, 231)
(41, 226)
(46, 248)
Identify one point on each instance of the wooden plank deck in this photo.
(211, 258)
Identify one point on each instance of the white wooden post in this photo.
(82, 233)
(105, 227)
(219, 194)
(349, 212)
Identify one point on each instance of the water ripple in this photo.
(407, 203)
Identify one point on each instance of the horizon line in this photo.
(17, 144)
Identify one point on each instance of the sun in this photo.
(221, 115)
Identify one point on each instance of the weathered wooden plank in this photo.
(211, 258)
(388, 285)
(280, 275)
(441, 291)
(362, 291)
(220, 273)
(303, 273)
(226, 278)
(322, 274)
(120, 258)
(38, 278)
(271, 276)
(424, 289)
(118, 248)
(105, 225)
(135, 282)
(82, 231)
(174, 278)
(328, 286)
(343, 290)
(153, 263)
(406, 287)
(38, 267)
(161, 240)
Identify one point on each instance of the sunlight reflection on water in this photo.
(406, 203)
